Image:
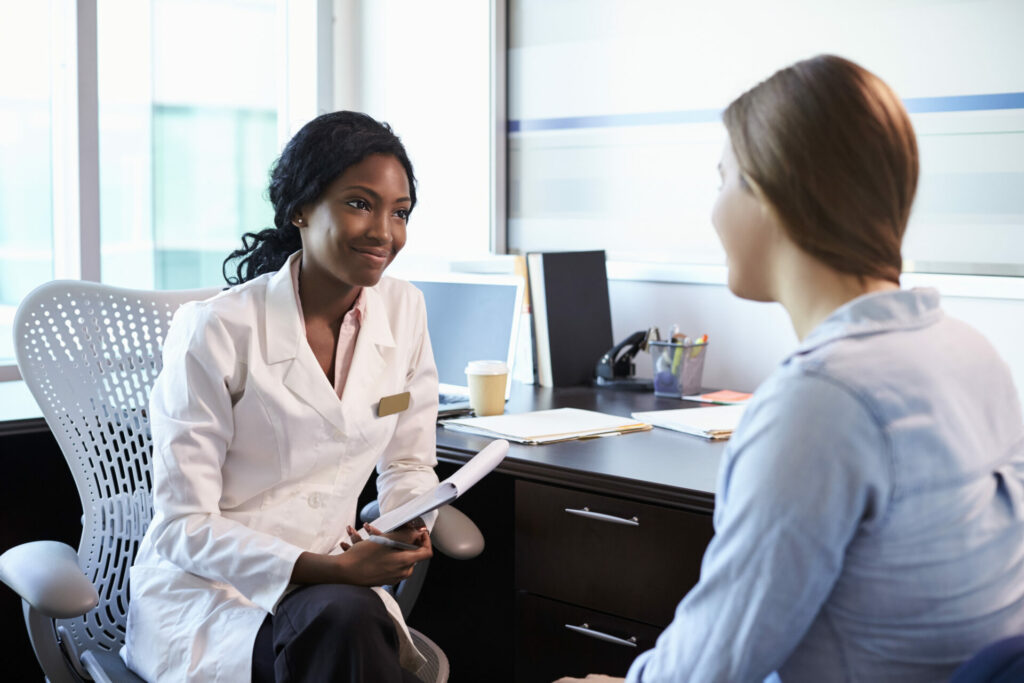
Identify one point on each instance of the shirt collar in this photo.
(875, 313)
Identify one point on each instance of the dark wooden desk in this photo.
(545, 570)
(659, 466)
(499, 617)
(19, 413)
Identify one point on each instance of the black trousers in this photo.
(329, 632)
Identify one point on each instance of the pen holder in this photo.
(678, 368)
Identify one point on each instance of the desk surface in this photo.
(659, 466)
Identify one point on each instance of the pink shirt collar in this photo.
(347, 336)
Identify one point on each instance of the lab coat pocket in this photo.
(156, 634)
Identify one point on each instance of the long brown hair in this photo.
(831, 148)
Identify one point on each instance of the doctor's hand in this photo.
(364, 563)
(408, 533)
(592, 678)
(372, 564)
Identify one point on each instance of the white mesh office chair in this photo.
(90, 353)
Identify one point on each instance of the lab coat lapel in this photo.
(373, 352)
(285, 340)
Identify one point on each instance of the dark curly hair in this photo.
(320, 152)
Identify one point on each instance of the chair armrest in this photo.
(370, 512)
(456, 535)
(46, 575)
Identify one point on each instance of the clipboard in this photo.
(445, 492)
(713, 422)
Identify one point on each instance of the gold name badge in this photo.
(389, 405)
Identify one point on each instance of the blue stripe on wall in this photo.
(615, 120)
(915, 105)
(1003, 100)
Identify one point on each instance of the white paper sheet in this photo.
(446, 491)
(713, 422)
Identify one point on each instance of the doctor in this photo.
(277, 399)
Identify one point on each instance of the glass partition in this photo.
(614, 118)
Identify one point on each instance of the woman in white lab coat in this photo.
(277, 399)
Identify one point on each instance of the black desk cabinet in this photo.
(615, 584)
(597, 578)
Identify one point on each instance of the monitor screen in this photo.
(471, 319)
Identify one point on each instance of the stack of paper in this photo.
(547, 426)
(713, 422)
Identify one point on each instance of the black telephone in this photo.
(616, 367)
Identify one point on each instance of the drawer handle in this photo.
(587, 631)
(586, 512)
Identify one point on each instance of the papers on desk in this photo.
(547, 426)
(713, 422)
(725, 397)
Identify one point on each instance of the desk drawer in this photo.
(613, 555)
(554, 640)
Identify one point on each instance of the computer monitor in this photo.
(471, 317)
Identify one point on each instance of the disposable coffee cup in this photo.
(487, 380)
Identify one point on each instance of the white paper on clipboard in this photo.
(446, 491)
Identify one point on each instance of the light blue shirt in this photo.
(870, 510)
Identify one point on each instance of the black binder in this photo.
(572, 320)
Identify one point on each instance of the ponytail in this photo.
(262, 252)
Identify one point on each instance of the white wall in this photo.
(747, 340)
(424, 68)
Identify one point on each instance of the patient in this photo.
(870, 510)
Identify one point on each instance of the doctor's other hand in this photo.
(592, 678)
(372, 564)
(365, 564)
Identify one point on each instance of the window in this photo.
(192, 99)
(26, 168)
(188, 131)
(425, 69)
(614, 121)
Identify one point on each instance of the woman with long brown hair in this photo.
(869, 515)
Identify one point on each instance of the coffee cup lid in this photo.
(486, 367)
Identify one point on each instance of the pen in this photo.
(599, 436)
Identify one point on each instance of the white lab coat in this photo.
(255, 460)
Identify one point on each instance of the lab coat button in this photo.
(314, 500)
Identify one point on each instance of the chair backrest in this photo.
(90, 353)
